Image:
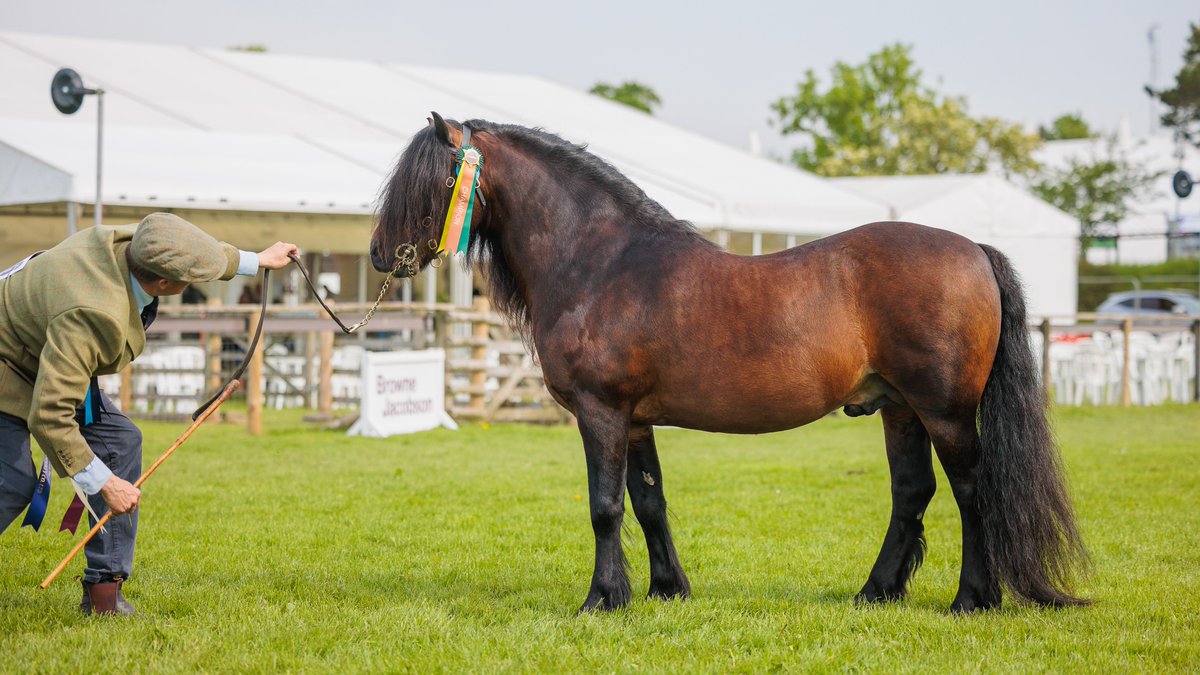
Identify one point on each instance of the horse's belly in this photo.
(744, 405)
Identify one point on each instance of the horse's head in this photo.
(415, 199)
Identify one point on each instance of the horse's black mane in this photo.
(570, 159)
(416, 191)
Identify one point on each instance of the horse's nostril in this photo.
(377, 260)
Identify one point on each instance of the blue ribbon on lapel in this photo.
(41, 498)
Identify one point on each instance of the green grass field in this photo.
(306, 550)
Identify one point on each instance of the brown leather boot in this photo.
(105, 597)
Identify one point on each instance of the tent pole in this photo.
(99, 151)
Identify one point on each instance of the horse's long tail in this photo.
(1029, 526)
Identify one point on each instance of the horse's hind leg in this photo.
(956, 440)
(913, 485)
(644, 479)
(605, 433)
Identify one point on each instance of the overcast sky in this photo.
(717, 67)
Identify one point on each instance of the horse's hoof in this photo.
(872, 594)
(966, 603)
(600, 602)
(669, 590)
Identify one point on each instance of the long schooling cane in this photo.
(233, 386)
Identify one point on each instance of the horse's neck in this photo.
(546, 228)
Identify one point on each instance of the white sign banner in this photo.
(402, 392)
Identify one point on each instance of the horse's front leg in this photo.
(605, 433)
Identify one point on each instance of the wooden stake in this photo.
(229, 389)
(254, 385)
(1126, 385)
(325, 378)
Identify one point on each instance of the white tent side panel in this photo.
(25, 179)
(1040, 241)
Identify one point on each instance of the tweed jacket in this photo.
(68, 315)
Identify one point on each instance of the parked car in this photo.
(1150, 307)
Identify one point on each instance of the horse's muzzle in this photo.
(377, 260)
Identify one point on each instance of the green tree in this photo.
(1065, 128)
(632, 94)
(1183, 100)
(254, 48)
(877, 118)
(1098, 190)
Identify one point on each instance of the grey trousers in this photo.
(118, 443)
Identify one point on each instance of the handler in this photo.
(69, 314)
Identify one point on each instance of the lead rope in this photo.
(406, 257)
(237, 374)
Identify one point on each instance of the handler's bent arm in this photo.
(77, 342)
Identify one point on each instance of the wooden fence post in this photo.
(127, 390)
(213, 349)
(325, 378)
(479, 334)
(1126, 398)
(1046, 357)
(1196, 362)
(310, 355)
(254, 392)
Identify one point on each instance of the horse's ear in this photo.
(440, 128)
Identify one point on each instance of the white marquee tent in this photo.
(212, 131)
(1041, 241)
(217, 129)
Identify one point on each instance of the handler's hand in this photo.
(276, 257)
(120, 495)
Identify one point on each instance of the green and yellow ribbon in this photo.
(456, 231)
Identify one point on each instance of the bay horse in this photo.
(640, 321)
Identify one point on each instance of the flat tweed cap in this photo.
(175, 249)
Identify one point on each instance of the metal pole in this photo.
(1151, 37)
(99, 152)
(362, 288)
(431, 280)
(1046, 337)
(72, 218)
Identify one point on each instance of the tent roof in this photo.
(209, 128)
(974, 205)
